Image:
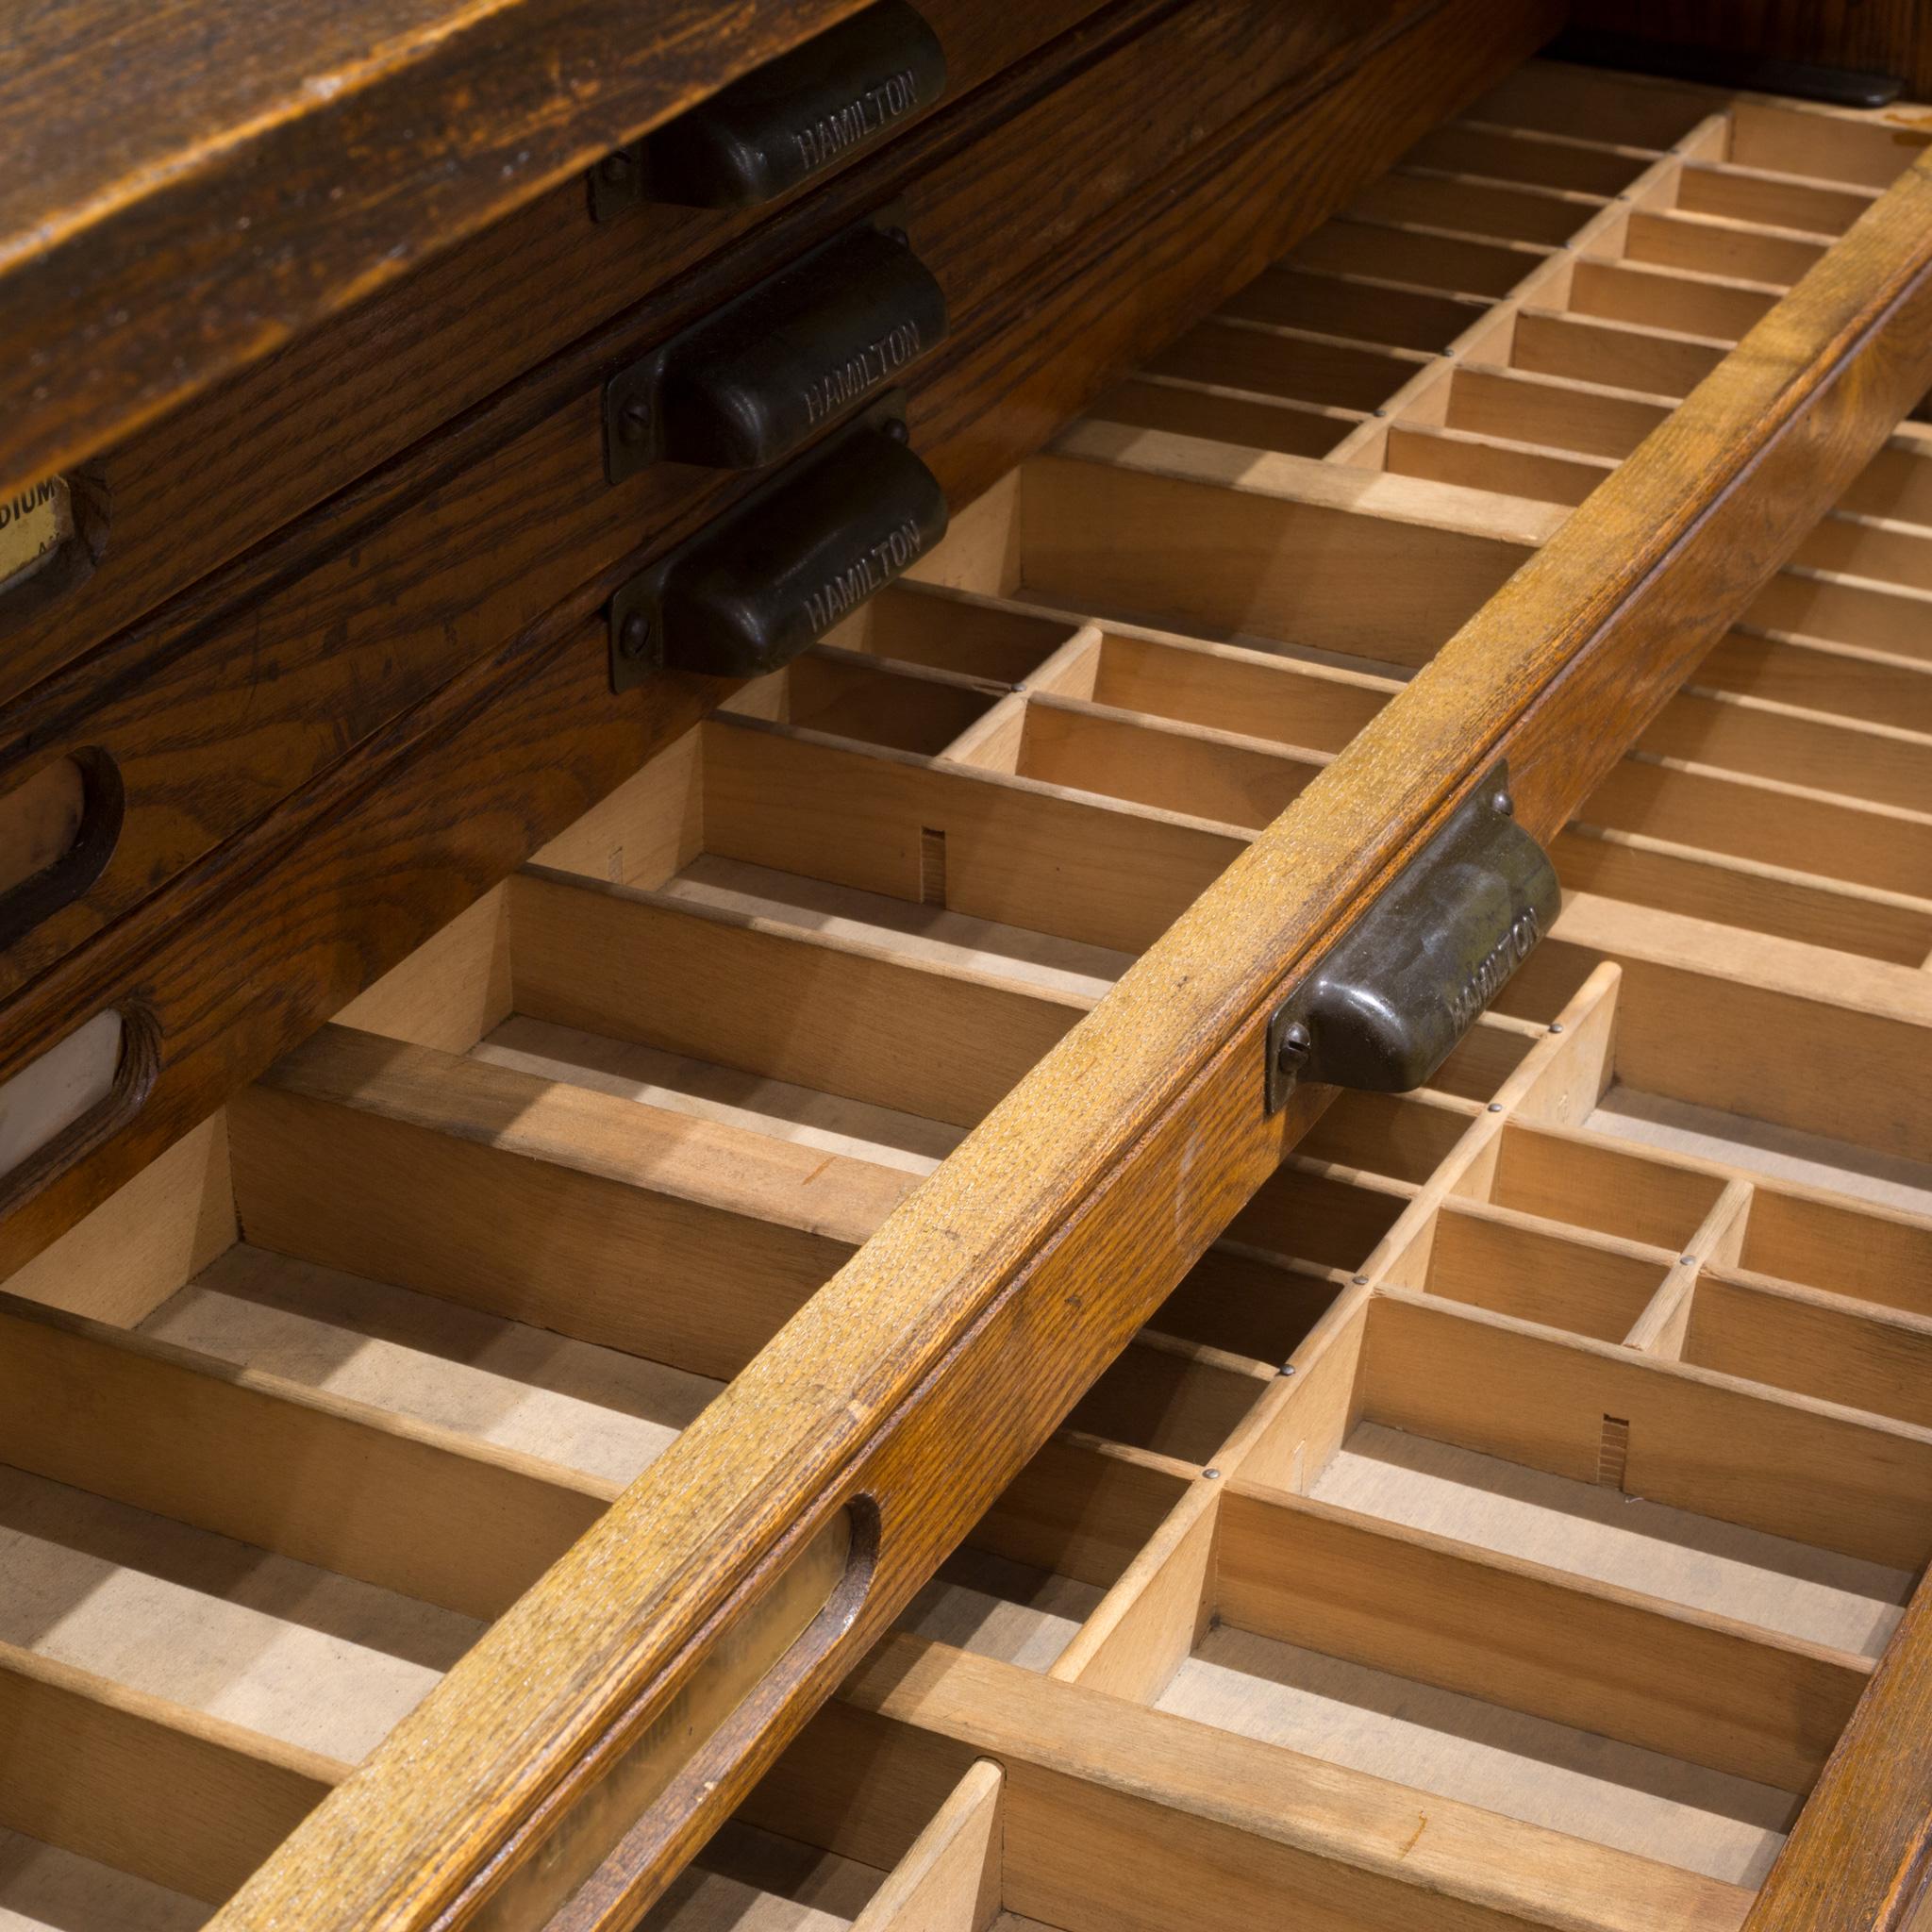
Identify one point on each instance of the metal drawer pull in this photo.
(1388, 1005)
(784, 564)
(784, 121)
(755, 381)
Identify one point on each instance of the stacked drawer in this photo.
(308, 661)
(1500, 1522)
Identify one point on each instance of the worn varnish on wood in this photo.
(343, 143)
(245, 913)
(1608, 1346)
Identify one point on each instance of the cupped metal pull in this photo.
(786, 122)
(778, 570)
(1388, 1005)
(755, 381)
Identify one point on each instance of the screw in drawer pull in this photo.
(784, 123)
(782, 566)
(757, 380)
(1388, 1004)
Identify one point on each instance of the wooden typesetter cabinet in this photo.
(961, 966)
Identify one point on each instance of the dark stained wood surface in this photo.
(256, 683)
(930, 1366)
(181, 198)
(220, 474)
(184, 192)
(1870, 36)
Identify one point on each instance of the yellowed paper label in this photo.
(33, 524)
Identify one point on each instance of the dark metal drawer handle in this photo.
(784, 564)
(1387, 1006)
(758, 378)
(784, 121)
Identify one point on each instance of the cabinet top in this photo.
(187, 186)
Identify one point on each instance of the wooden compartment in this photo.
(196, 1598)
(386, 654)
(1514, 1486)
(1521, 1565)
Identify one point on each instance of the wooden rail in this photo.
(902, 1397)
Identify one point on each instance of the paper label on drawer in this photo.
(33, 523)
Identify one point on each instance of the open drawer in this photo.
(806, 1301)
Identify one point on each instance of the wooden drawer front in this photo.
(515, 269)
(1499, 1496)
(211, 480)
(230, 699)
(466, 582)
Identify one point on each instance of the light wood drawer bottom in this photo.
(1499, 1523)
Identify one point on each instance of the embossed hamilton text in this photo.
(1492, 972)
(862, 370)
(871, 571)
(828, 137)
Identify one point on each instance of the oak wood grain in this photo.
(241, 691)
(180, 200)
(920, 1374)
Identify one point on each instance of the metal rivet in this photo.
(1212, 1474)
(899, 236)
(1294, 1046)
(1496, 1107)
(614, 167)
(634, 636)
(1286, 1369)
(1360, 1280)
(896, 429)
(1502, 802)
(633, 420)
(1556, 1025)
(1688, 1261)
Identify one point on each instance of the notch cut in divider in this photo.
(1698, 1441)
(932, 867)
(1613, 1451)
